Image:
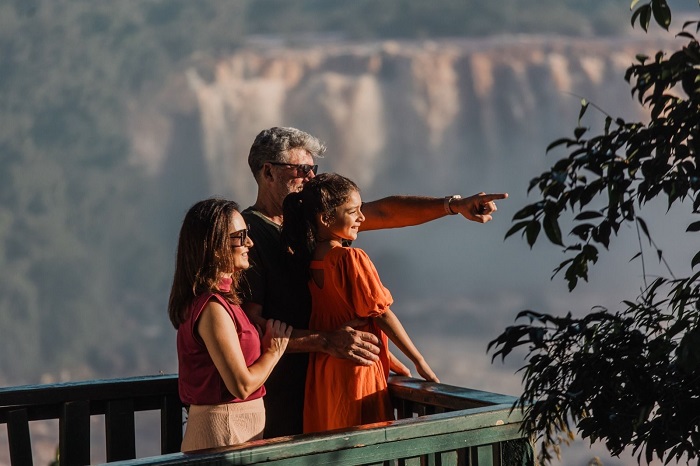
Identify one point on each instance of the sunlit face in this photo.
(346, 221)
(240, 242)
(288, 179)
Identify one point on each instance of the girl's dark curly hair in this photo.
(321, 195)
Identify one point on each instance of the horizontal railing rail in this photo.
(438, 424)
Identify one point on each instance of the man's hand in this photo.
(477, 208)
(347, 343)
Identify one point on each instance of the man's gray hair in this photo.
(272, 145)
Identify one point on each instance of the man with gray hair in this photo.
(282, 160)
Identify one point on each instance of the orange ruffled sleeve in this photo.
(358, 283)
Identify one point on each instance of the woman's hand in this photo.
(425, 371)
(276, 336)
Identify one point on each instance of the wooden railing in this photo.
(438, 425)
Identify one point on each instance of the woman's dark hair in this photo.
(321, 195)
(204, 252)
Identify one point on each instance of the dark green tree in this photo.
(629, 377)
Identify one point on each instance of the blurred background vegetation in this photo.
(84, 269)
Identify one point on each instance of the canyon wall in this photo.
(418, 116)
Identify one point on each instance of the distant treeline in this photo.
(370, 19)
(85, 258)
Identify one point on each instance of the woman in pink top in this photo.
(222, 363)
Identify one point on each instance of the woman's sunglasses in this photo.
(238, 238)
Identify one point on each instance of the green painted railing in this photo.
(437, 424)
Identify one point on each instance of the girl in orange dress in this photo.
(319, 223)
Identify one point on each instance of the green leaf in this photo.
(584, 107)
(532, 231)
(561, 266)
(587, 215)
(601, 234)
(635, 15)
(582, 230)
(689, 351)
(556, 143)
(644, 227)
(695, 226)
(695, 261)
(552, 230)
(645, 17)
(526, 211)
(515, 228)
(575, 270)
(560, 168)
(662, 13)
(634, 2)
(590, 253)
(580, 131)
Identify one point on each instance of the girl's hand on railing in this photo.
(425, 371)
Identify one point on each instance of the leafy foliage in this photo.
(632, 377)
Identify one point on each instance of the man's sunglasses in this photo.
(238, 238)
(301, 168)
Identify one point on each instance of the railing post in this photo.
(483, 456)
(463, 458)
(18, 437)
(518, 452)
(170, 424)
(119, 430)
(74, 433)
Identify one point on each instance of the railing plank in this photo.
(119, 430)
(443, 395)
(18, 437)
(409, 438)
(145, 388)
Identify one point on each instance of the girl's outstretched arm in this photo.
(391, 325)
(397, 367)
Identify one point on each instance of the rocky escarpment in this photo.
(433, 113)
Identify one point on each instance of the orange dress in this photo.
(340, 393)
